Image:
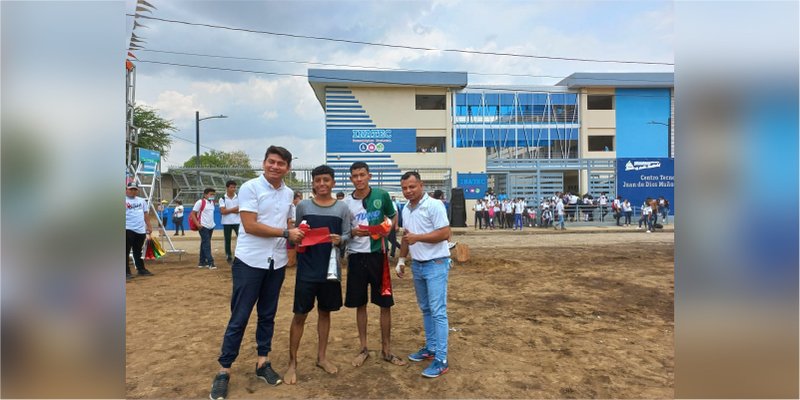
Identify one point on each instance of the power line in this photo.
(397, 46)
(353, 80)
(376, 67)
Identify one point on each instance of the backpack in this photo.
(192, 225)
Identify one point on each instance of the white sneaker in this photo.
(202, 266)
(638, 228)
(450, 245)
(212, 266)
(647, 232)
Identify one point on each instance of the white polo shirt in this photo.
(227, 202)
(272, 208)
(428, 216)
(207, 216)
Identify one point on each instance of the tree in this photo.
(154, 133)
(224, 159)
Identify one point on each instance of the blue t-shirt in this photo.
(312, 265)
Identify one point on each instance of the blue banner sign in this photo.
(640, 178)
(371, 140)
(149, 160)
(474, 185)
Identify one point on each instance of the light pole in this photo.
(197, 139)
(668, 124)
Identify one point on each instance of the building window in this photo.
(431, 102)
(431, 145)
(600, 102)
(601, 143)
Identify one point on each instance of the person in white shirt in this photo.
(478, 207)
(258, 266)
(229, 208)
(646, 212)
(177, 218)
(137, 227)
(560, 213)
(519, 207)
(426, 230)
(202, 215)
(628, 211)
(603, 204)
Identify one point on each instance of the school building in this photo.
(589, 133)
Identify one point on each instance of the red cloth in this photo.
(316, 236)
(386, 285)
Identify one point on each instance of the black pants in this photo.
(251, 287)
(393, 240)
(226, 230)
(479, 219)
(134, 241)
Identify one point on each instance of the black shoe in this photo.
(219, 389)
(268, 375)
(145, 272)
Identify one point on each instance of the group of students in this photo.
(491, 213)
(273, 219)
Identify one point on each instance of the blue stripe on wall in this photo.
(636, 137)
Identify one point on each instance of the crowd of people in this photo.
(269, 218)
(501, 212)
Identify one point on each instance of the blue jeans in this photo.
(430, 283)
(518, 221)
(561, 221)
(251, 286)
(205, 246)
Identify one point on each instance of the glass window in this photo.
(600, 102)
(431, 145)
(601, 143)
(431, 102)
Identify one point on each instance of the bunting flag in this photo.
(138, 8)
(134, 46)
(136, 24)
(144, 3)
(137, 40)
(128, 65)
(132, 56)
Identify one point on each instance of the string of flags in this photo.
(136, 42)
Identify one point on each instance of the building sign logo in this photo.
(640, 165)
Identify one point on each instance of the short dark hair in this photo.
(298, 195)
(359, 165)
(209, 190)
(230, 182)
(322, 170)
(178, 202)
(281, 152)
(438, 194)
(409, 174)
(340, 194)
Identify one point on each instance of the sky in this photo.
(265, 109)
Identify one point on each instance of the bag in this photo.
(658, 226)
(192, 225)
(461, 251)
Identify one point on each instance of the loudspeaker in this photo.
(458, 210)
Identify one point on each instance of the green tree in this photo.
(224, 160)
(154, 133)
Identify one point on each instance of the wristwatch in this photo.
(285, 233)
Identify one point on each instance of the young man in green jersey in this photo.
(369, 206)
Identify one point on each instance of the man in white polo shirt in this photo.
(258, 268)
(229, 208)
(203, 216)
(426, 230)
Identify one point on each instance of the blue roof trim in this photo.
(388, 78)
(619, 79)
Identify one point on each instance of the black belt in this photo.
(432, 259)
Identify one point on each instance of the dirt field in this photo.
(555, 315)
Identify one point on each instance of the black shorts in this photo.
(365, 269)
(328, 295)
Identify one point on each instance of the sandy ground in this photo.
(536, 315)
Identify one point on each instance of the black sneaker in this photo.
(219, 389)
(145, 272)
(268, 375)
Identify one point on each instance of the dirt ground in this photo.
(542, 315)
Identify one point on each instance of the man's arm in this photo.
(253, 227)
(148, 228)
(436, 236)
